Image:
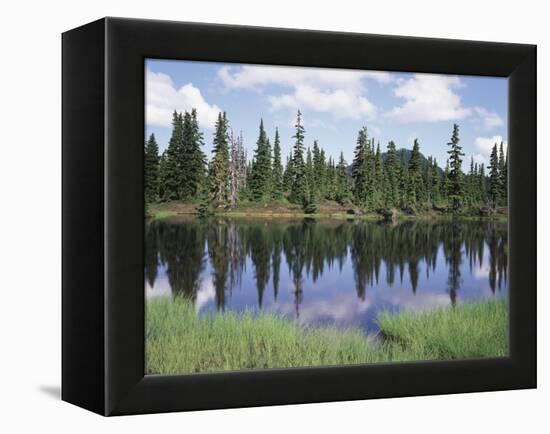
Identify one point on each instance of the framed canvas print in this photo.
(257, 216)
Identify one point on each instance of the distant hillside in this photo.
(405, 155)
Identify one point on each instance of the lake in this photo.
(333, 272)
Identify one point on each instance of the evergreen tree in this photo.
(310, 204)
(162, 176)
(495, 188)
(379, 178)
(456, 191)
(436, 182)
(392, 171)
(219, 166)
(428, 180)
(261, 167)
(319, 168)
(151, 170)
(502, 170)
(446, 185)
(414, 193)
(342, 189)
(288, 177)
(359, 167)
(197, 163)
(482, 184)
(172, 169)
(277, 176)
(299, 182)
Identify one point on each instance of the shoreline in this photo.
(159, 214)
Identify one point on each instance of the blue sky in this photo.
(335, 104)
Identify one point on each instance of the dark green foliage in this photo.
(277, 173)
(260, 180)
(183, 163)
(298, 189)
(455, 192)
(495, 188)
(172, 169)
(288, 175)
(151, 169)
(415, 186)
(503, 173)
(342, 187)
(498, 177)
(194, 161)
(359, 167)
(219, 166)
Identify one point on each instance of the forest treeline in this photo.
(374, 181)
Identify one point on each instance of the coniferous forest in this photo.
(377, 180)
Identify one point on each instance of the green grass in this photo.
(179, 341)
(468, 331)
(161, 214)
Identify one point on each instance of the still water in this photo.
(333, 272)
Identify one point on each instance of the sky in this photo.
(335, 104)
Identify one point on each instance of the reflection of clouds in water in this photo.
(205, 294)
(482, 272)
(345, 309)
(341, 309)
(161, 287)
(418, 301)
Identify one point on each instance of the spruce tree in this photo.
(392, 171)
(261, 167)
(172, 167)
(456, 191)
(446, 184)
(277, 174)
(162, 176)
(319, 168)
(359, 167)
(288, 177)
(310, 204)
(342, 189)
(151, 170)
(495, 188)
(482, 184)
(414, 186)
(197, 159)
(502, 170)
(219, 166)
(299, 182)
(379, 178)
(436, 183)
(428, 181)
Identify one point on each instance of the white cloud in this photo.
(252, 76)
(340, 103)
(480, 159)
(429, 98)
(162, 98)
(484, 146)
(434, 98)
(490, 119)
(334, 91)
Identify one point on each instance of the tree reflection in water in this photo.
(309, 248)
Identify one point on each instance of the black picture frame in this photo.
(103, 212)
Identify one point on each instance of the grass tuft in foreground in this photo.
(469, 330)
(180, 341)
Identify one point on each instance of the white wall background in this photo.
(30, 215)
